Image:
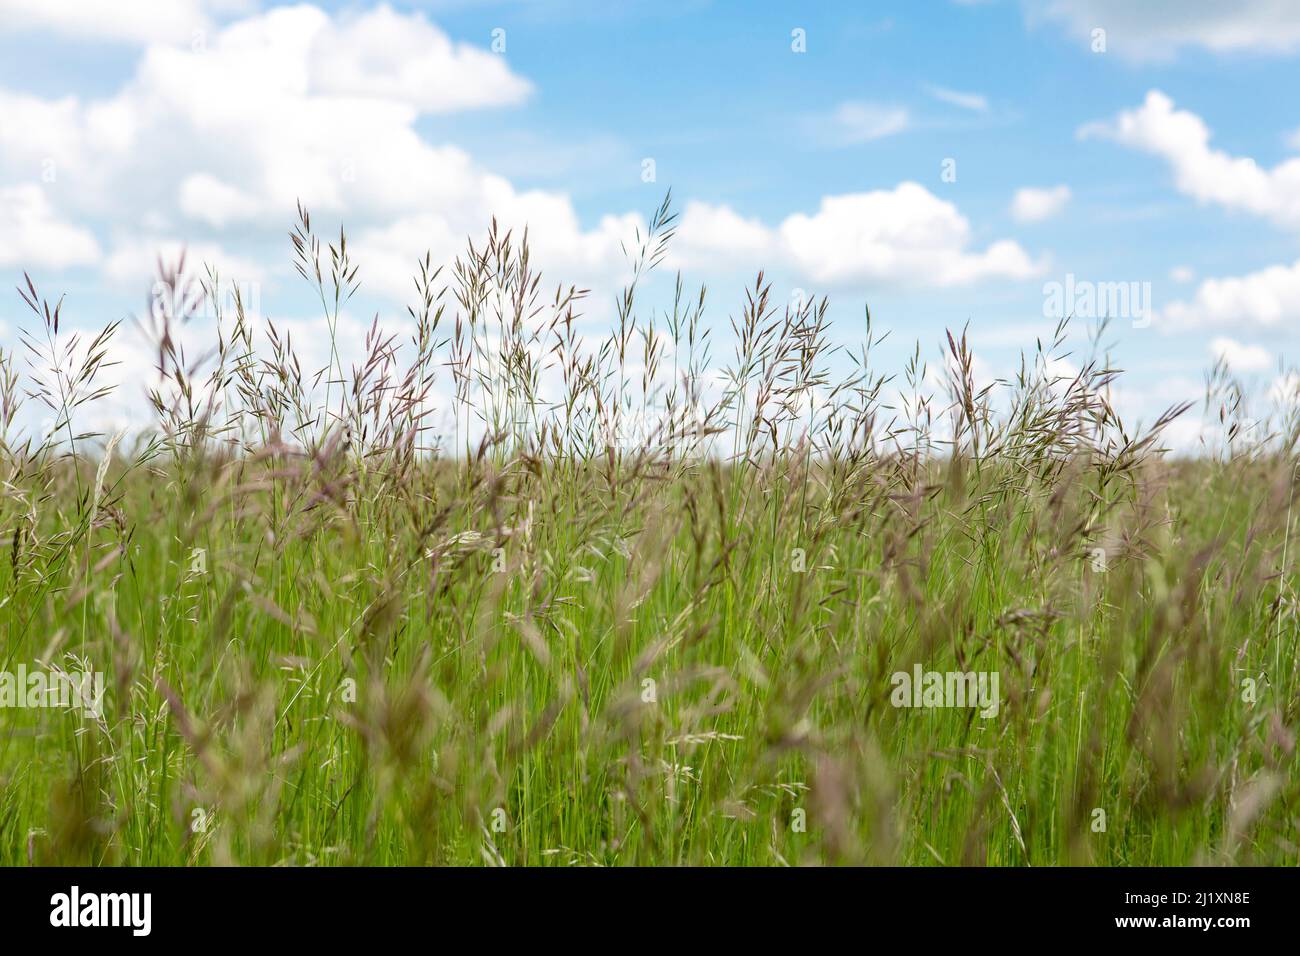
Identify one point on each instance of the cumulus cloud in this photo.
(204, 197)
(217, 142)
(1158, 29)
(1268, 298)
(133, 260)
(133, 355)
(1239, 357)
(293, 105)
(904, 236)
(720, 235)
(567, 252)
(31, 234)
(1139, 404)
(406, 59)
(1032, 204)
(1182, 140)
(140, 21)
(1285, 390)
(286, 99)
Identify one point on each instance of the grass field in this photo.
(651, 615)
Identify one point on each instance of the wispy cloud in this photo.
(975, 102)
(854, 122)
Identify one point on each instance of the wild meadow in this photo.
(645, 601)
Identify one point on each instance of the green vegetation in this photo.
(647, 616)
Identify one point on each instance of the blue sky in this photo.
(1171, 157)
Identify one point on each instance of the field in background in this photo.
(653, 617)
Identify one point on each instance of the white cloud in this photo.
(135, 356)
(134, 260)
(250, 118)
(1182, 139)
(1158, 29)
(1285, 389)
(32, 235)
(905, 236)
(1269, 298)
(974, 102)
(140, 21)
(594, 258)
(722, 236)
(38, 134)
(405, 59)
(1142, 403)
(1239, 357)
(217, 144)
(854, 122)
(295, 105)
(208, 199)
(1032, 204)
(1182, 274)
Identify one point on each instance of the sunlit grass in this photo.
(332, 637)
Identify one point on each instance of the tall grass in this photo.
(646, 616)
